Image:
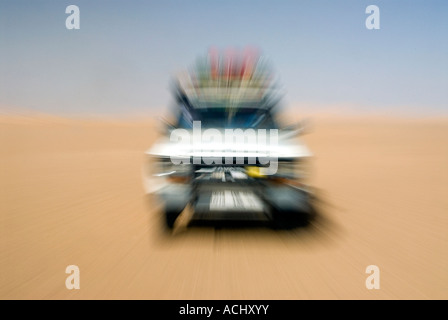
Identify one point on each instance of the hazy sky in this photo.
(121, 59)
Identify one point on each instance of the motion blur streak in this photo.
(71, 194)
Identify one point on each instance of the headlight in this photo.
(166, 168)
(158, 172)
(297, 169)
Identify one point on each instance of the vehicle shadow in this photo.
(320, 227)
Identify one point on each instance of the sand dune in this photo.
(71, 194)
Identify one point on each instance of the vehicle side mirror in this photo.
(304, 126)
(300, 128)
(165, 126)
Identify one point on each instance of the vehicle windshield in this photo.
(224, 117)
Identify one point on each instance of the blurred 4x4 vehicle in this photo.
(226, 156)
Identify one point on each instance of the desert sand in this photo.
(71, 194)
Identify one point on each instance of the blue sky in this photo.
(121, 59)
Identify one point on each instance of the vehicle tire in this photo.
(286, 220)
(290, 208)
(170, 219)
